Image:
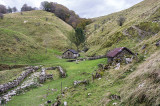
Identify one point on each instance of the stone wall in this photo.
(43, 76)
(70, 55)
(96, 57)
(62, 71)
(7, 86)
(122, 57)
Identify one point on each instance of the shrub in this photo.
(121, 20)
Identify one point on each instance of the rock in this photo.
(25, 21)
(66, 88)
(49, 101)
(81, 82)
(144, 46)
(141, 85)
(99, 78)
(114, 103)
(56, 103)
(65, 103)
(118, 66)
(157, 43)
(129, 60)
(62, 72)
(89, 94)
(115, 97)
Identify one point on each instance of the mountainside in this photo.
(31, 33)
(130, 81)
(105, 34)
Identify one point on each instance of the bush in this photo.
(121, 20)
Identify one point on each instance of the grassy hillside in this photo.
(136, 84)
(105, 34)
(28, 35)
(38, 96)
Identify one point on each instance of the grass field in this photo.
(9, 75)
(74, 72)
(30, 39)
(25, 38)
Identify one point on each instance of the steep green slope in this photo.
(105, 34)
(28, 35)
(15, 46)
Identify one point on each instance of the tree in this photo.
(45, 5)
(121, 20)
(3, 9)
(77, 38)
(25, 7)
(14, 9)
(9, 10)
(71, 37)
(65, 14)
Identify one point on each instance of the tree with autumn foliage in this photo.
(65, 14)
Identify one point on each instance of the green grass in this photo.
(31, 41)
(100, 41)
(9, 75)
(24, 38)
(74, 72)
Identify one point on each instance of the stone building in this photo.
(70, 54)
(119, 55)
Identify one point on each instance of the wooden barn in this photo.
(70, 54)
(119, 55)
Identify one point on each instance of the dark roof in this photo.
(71, 50)
(116, 51)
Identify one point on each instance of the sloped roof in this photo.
(116, 51)
(71, 50)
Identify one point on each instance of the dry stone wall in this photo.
(7, 86)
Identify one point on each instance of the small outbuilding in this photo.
(119, 55)
(70, 54)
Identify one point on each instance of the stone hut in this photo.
(70, 54)
(119, 55)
